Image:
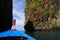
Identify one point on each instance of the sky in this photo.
(18, 13)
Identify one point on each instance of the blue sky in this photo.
(18, 13)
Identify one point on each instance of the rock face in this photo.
(44, 14)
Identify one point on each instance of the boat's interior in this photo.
(14, 38)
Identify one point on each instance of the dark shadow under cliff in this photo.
(29, 26)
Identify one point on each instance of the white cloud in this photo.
(20, 20)
(18, 13)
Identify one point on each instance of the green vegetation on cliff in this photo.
(35, 4)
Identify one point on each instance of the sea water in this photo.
(45, 35)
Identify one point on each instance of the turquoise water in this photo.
(45, 35)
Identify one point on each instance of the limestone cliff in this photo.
(44, 14)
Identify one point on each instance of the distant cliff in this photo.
(44, 14)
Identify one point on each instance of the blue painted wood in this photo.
(15, 33)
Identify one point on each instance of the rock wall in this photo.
(43, 13)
